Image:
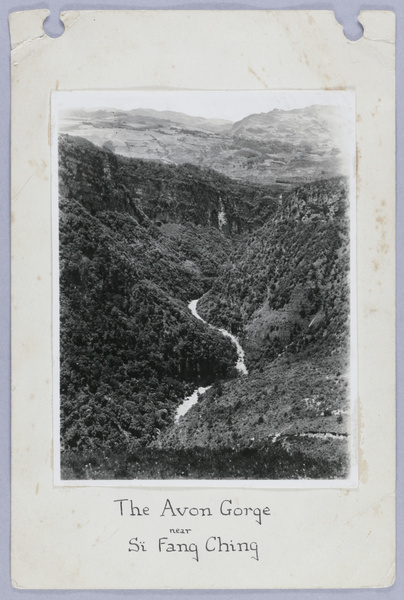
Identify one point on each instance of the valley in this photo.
(249, 381)
(279, 147)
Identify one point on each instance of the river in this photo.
(240, 365)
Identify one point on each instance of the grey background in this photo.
(346, 12)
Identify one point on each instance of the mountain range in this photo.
(283, 147)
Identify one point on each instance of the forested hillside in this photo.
(100, 179)
(286, 285)
(284, 291)
(130, 349)
(138, 241)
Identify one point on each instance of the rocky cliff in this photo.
(162, 193)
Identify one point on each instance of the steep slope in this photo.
(130, 349)
(286, 286)
(138, 241)
(285, 292)
(163, 193)
(289, 420)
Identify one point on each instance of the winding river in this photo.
(240, 365)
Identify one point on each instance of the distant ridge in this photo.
(280, 146)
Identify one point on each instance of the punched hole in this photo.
(53, 26)
(353, 29)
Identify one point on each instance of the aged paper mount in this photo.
(201, 531)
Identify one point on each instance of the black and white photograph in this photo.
(204, 287)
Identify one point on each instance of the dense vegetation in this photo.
(130, 349)
(299, 404)
(286, 285)
(264, 461)
(284, 292)
(164, 193)
(138, 241)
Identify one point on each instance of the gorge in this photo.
(265, 346)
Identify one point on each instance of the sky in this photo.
(229, 105)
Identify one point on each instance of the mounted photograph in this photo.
(204, 320)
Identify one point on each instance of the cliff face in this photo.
(101, 180)
(285, 287)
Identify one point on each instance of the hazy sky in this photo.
(231, 106)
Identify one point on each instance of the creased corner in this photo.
(70, 18)
(27, 34)
(27, 42)
(378, 26)
(390, 576)
(26, 26)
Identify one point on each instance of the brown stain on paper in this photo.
(381, 223)
(376, 108)
(335, 88)
(358, 177)
(362, 463)
(251, 70)
(41, 168)
(306, 59)
(369, 311)
(310, 19)
(376, 264)
(383, 246)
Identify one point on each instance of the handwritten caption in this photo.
(212, 544)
